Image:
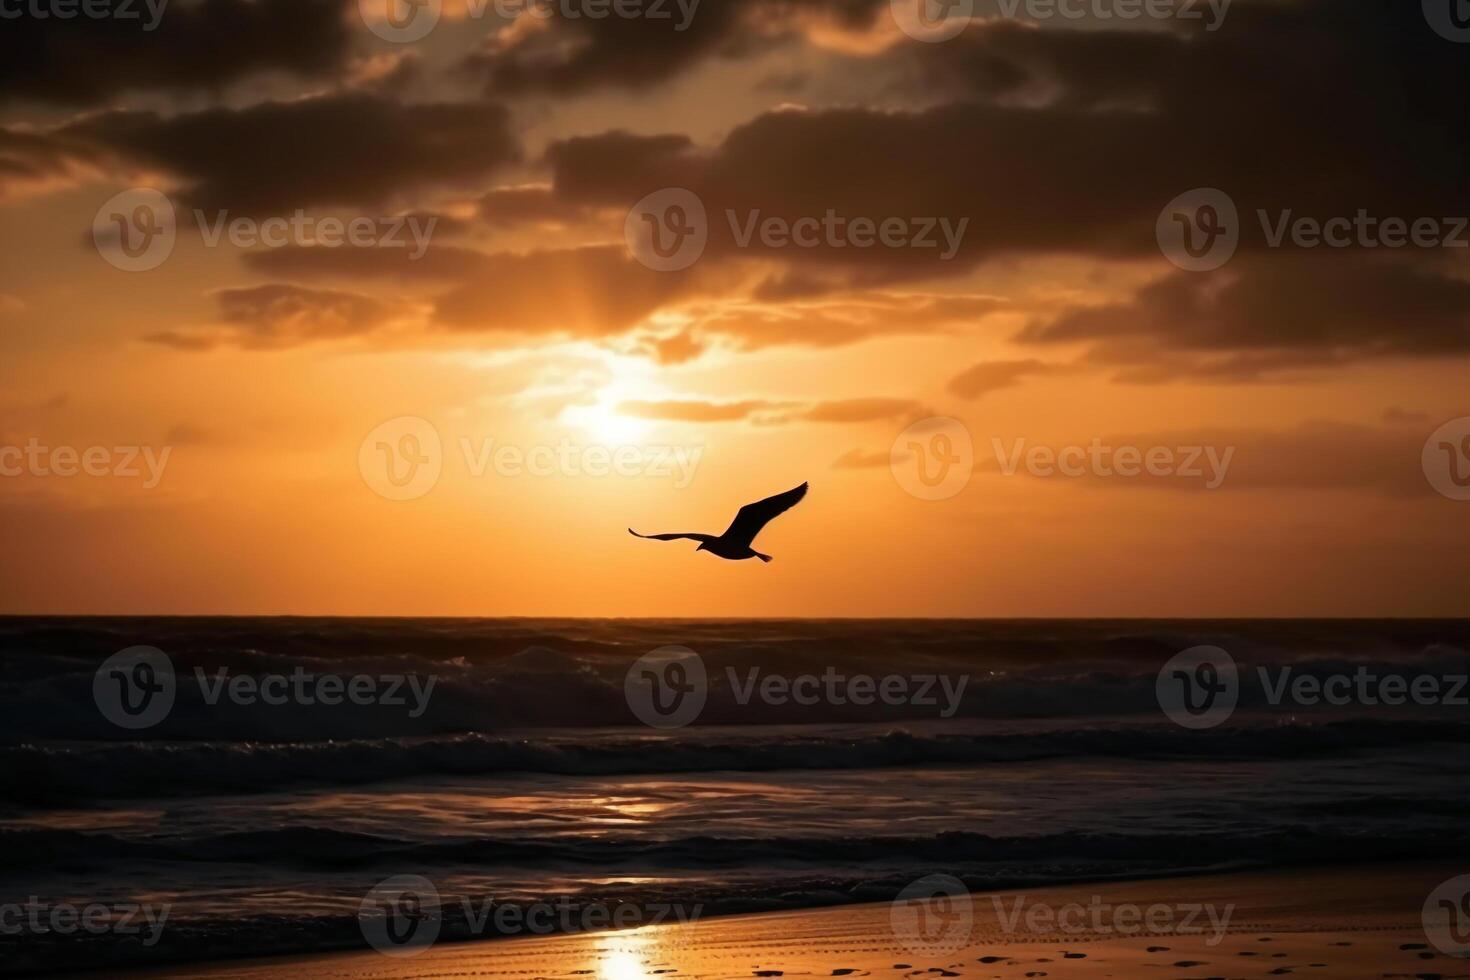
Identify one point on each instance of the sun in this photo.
(629, 379)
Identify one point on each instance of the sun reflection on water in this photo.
(622, 958)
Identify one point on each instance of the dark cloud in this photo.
(1071, 142)
(569, 55)
(533, 204)
(84, 61)
(277, 316)
(1264, 313)
(353, 150)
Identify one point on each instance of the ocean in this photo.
(301, 762)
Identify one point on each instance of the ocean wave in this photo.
(50, 772)
(324, 848)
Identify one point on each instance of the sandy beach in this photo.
(1359, 921)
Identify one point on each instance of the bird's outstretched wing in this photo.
(752, 517)
(672, 537)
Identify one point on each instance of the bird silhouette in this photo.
(735, 543)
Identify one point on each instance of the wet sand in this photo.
(1338, 922)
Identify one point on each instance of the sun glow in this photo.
(629, 379)
(621, 964)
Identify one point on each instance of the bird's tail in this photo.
(762, 557)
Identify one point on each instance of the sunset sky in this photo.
(529, 321)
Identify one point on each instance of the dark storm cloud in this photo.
(1278, 311)
(83, 61)
(352, 150)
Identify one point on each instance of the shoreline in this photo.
(1300, 920)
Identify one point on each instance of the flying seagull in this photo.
(734, 544)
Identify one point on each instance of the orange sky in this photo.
(531, 323)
